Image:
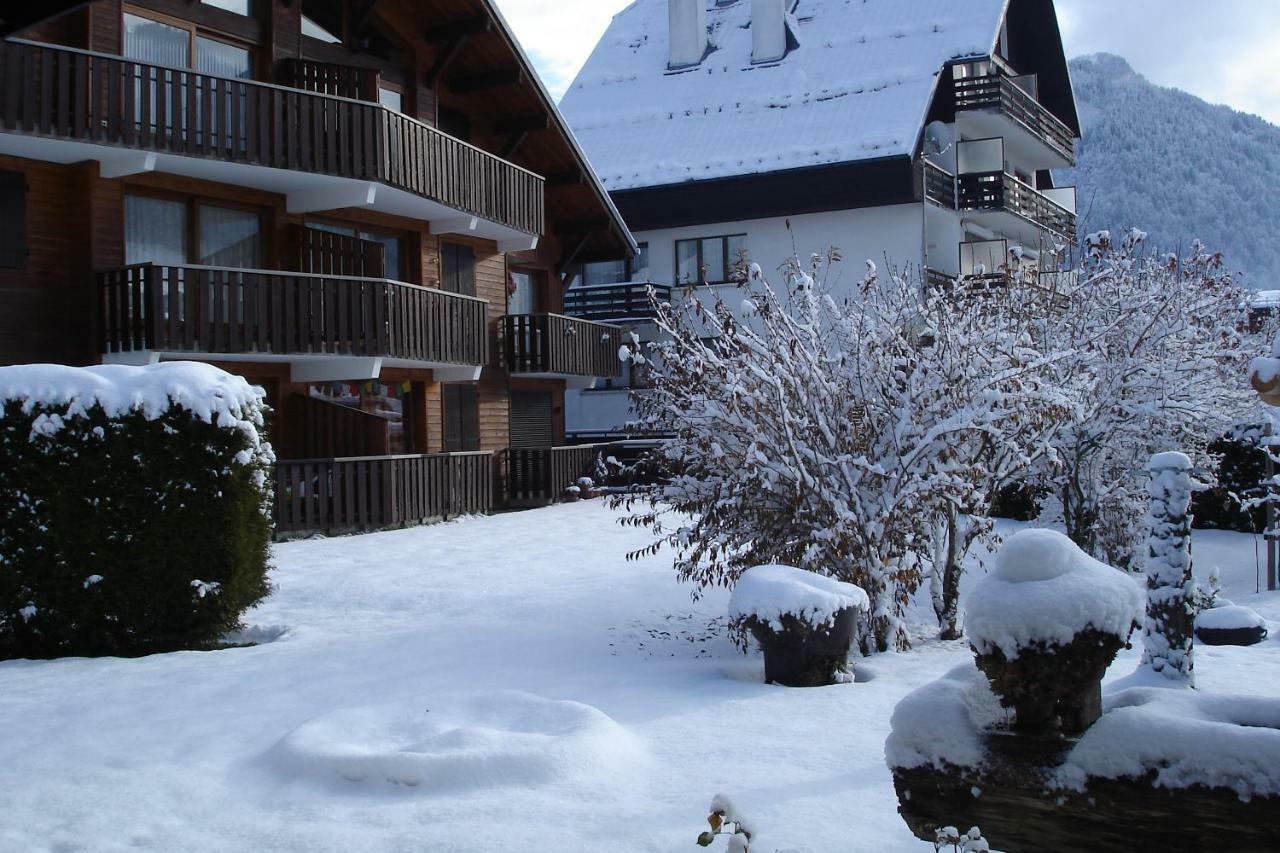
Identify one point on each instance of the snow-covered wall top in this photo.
(857, 87)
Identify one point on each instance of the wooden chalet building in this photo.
(367, 207)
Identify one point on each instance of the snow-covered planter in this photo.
(1162, 769)
(804, 623)
(134, 508)
(1230, 625)
(1044, 627)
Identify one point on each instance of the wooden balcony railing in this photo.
(543, 475)
(1002, 191)
(614, 302)
(367, 493)
(76, 95)
(937, 185)
(555, 344)
(158, 308)
(1000, 92)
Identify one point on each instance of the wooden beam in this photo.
(510, 147)
(569, 257)
(360, 14)
(447, 55)
(522, 124)
(487, 81)
(459, 29)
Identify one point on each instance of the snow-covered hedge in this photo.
(134, 507)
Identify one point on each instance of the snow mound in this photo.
(1045, 589)
(942, 722)
(1187, 738)
(459, 742)
(1230, 618)
(770, 592)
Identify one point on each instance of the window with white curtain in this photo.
(230, 237)
(155, 230)
(156, 42)
(523, 295)
(223, 59)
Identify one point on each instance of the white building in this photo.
(917, 133)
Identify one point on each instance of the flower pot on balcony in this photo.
(1044, 627)
(804, 623)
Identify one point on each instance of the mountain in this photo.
(1176, 167)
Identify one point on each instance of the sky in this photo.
(1225, 51)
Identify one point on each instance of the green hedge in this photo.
(128, 532)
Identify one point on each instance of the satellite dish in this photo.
(938, 138)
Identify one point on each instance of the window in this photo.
(240, 7)
(710, 260)
(393, 254)
(183, 231)
(391, 98)
(458, 269)
(13, 220)
(175, 43)
(461, 418)
(618, 272)
(229, 237)
(322, 19)
(522, 296)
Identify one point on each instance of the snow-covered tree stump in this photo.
(1044, 627)
(1169, 630)
(804, 623)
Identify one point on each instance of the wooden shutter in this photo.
(13, 220)
(531, 419)
(461, 418)
(458, 268)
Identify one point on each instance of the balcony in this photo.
(321, 151)
(615, 303)
(357, 494)
(1016, 209)
(993, 103)
(936, 185)
(326, 327)
(552, 346)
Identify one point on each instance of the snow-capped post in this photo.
(803, 621)
(1044, 627)
(1169, 631)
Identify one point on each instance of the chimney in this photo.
(688, 34)
(768, 30)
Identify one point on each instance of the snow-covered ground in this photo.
(495, 684)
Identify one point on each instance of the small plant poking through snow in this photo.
(950, 839)
(725, 820)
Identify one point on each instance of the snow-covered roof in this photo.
(1266, 299)
(858, 87)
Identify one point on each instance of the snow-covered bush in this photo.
(725, 819)
(1046, 624)
(1168, 633)
(838, 436)
(134, 508)
(1151, 350)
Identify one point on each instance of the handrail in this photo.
(391, 458)
(263, 84)
(291, 274)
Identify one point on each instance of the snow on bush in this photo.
(460, 742)
(768, 593)
(1185, 738)
(831, 435)
(1150, 350)
(1046, 590)
(943, 722)
(134, 507)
